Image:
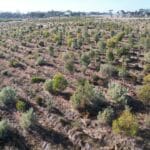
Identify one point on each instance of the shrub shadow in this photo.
(53, 137)
(15, 140)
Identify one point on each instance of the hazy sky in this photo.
(75, 5)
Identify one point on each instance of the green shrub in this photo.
(101, 46)
(40, 61)
(122, 51)
(126, 123)
(49, 104)
(85, 97)
(85, 60)
(69, 66)
(69, 61)
(147, 57)
(48, 85)
(147, 68)
(68, 56)
(74, 44)
(147, 43)
(69, 41)
(37, 79)
(122, 72)
(111, 43)
(21, 106)
(81, 81)
(92, 53)
(119, 36)
(117, 92)
(15, 63)
(51, 51)
(57, 84)
(107, 70)
(27, 119)
(143, 93)
(7, 96)
(110, 56)
(147, 120)
(147, 79)
(114, 40)
(4, 127)
(96, 37)
(106, 116)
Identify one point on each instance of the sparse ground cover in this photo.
(75, 83)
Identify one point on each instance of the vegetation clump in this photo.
(21, 106)
(86, 97)
(57, 84)
(117, 92)
(27, 119)
(147, 79)
(144, 93)
(41, 61)
(36, 79)
(106, 116)
(4, 127)
(85, 60)
(126, 123)
(107, 70)
(7, 96)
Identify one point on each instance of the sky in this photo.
(74, 5)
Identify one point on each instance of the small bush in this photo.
(117, 92)
(37, 79)
(107, 70)
(49, 104)
(27, 119)
(40, 61)
(126, 123)
(101, 46)
(147, 79)
(122, 51)
(51, 51)
(147, 68)
(81, 81)
(143, 93)
(68, 56)
(3, 129)
(111, 43)
(123, 73)
(85, 60)
(7, 96)
(74, 44)
(147, 120)
(147, 57)
(15, 63)
(69, 66)
(21, 106)
(85, 97)
(48, 85)
(110, 56)
(57, 84)
(106, 116)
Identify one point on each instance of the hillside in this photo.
(75, 83)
